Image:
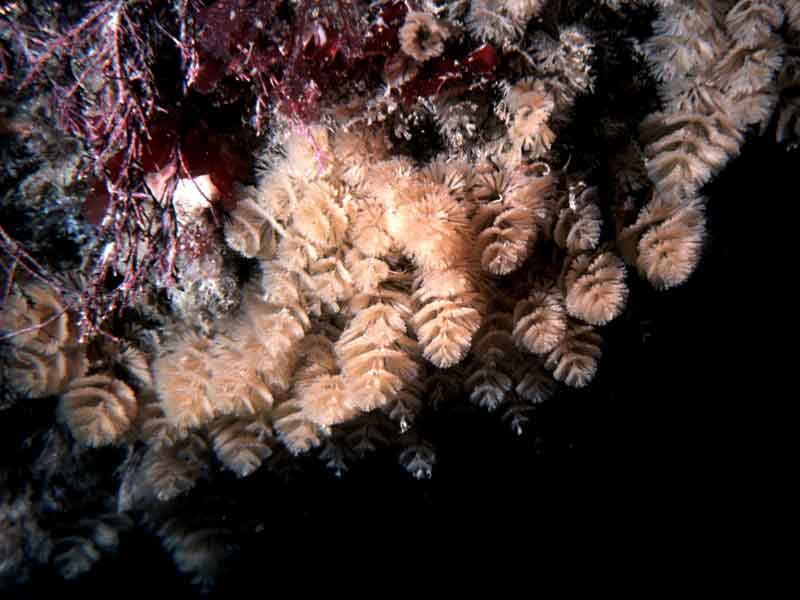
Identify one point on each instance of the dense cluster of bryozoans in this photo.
(384, 281)
(374, 272)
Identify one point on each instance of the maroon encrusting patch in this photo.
(96, 203)
(437, 72)
(482, 61)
